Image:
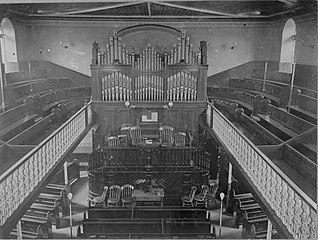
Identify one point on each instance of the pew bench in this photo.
(144, 212)
(35, 233)
(303, 113)
(48, 209)
(41, 216)
(158, 226)
(17, 126)
(34, 221)
(147, 236)
(283, 124)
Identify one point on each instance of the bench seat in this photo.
(17, 126)
(277, 125)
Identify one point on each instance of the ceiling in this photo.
(190, 10)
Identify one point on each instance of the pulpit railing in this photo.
(291, 205)
(20, 181)
(134, 156)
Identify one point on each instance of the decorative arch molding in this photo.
(147, 27)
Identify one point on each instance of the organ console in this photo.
(175, 75)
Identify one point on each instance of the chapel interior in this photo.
(138, 119)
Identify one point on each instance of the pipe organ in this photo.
(175, 75)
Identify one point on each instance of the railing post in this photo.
(19, 231)
(229, 182)
(86, 115)
(269, 230)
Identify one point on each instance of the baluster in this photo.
(120, 80)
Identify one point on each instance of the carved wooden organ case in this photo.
(176, 75)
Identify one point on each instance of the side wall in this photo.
(69, 44)
(229, 45)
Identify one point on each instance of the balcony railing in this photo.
(291, 205)
(20, 180)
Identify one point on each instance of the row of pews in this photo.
(45, 211)
(49, 207)
(291, 147)
(145, 222)
(28, 102)
(245, 92)
(251, 217)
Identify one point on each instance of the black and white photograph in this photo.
(158, 119)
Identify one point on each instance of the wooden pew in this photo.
(274, 91)
(305, 107)
(283, 124)
(147, 226)
(44, 216)
(16, 120)
(143, 212)
(38, 86)
(47, 209)
(241, 97)
(28, 232)
(53, 98)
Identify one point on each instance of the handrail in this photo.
(293, 207)
(18, 182)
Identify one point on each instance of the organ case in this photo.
(176, 75)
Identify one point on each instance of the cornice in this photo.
(124, 24)
(298, 19)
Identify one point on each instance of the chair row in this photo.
(132, 135)
(115, 195)
(205, 197)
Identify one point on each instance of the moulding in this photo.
(298, 19)
(124, 24)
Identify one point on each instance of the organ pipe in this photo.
(149, 83)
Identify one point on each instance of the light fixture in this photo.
(128, 105)
(168, 106)
(221, 197)
(69, 196)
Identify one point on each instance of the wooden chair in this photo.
(114, 195)
(125, 130)
(112, 141)
(210, 196)
(179, 139)
(100, 199)
(188, 200)
(201, 197)
(135, 135)
(126, 194)
(123, 140)
(166, 136)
